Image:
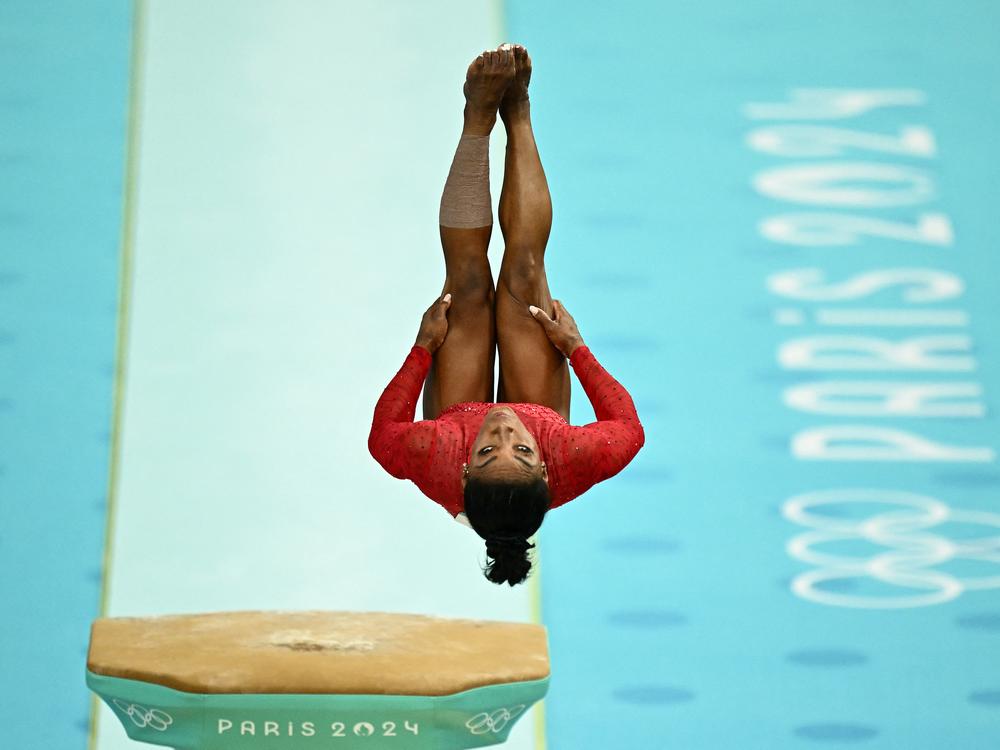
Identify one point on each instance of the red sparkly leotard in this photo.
(431, 452)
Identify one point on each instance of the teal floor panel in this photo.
(64, 72)
(805, 553)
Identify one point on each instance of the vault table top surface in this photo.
(317, 651)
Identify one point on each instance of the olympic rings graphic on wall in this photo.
(494, 722)
(153, 718)
(912, 549)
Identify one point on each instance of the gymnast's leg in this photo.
(462, 369)
(531, 369)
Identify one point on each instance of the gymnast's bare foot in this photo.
(485, 83)
(515, 101)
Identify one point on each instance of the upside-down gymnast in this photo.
(499, 468)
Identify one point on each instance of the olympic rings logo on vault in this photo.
(494, 722)
(913, 548)
(153, 718)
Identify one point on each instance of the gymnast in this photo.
(498, 468)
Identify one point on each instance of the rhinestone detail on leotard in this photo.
(431, 452)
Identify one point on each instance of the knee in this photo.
(524, 278)
(470, 286)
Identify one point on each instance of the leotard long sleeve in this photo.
(430, 452)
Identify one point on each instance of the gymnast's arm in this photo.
(601, 449)
(612, 404)
(617, 432)
(597, 451)
(394, 437)
(401, 446)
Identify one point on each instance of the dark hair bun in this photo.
(510, 545)
(510, 563)
(505, 514)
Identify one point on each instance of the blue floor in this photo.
(669, 592)
(64, 74)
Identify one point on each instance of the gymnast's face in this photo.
(504, 450)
